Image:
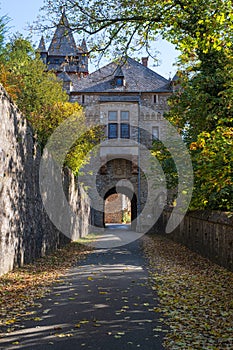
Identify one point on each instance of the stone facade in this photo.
(120, 158)
(129, 100)
(26, 231)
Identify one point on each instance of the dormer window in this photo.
(120, 81)
(119, 77)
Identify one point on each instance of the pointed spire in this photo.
(64, 20)
(63, 43)
(84, 45)
(41, 47)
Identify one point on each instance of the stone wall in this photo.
(25, 229)
(207, 233)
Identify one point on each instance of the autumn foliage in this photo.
(41, 98)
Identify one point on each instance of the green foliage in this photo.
(205, 98)
(202, 110)
(37, 90)
(40, 96)
(122, 26)
(202, 104)
(3, 30)
(213, 160)
(166, 161)
(80, 152)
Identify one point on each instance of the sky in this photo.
(24, 12)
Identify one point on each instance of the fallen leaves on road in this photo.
(20, 288)
(196, 296)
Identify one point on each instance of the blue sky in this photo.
(24, 12)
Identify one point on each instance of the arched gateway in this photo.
(117, 176)
(128, 99)
(118, 209)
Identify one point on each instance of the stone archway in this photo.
(118, 175)
(133, 203)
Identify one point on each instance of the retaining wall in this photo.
(25, 229)
(209, 233)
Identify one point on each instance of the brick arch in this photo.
(127, 192)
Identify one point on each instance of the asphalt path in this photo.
(104, 303)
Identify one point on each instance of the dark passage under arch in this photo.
(127, 192)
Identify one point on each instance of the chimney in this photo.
(145, 61)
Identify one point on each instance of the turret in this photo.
(63, 54)
(42, 50)
(84, 58)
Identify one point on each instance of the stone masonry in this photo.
(26, 231)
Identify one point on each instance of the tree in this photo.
(202, 109)
(202, 106)
(203, 99)
(213, 160)
(3, 30)
(36, 89)
(126, 25)
(39, 95)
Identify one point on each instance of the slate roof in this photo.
(118, 72)
(64, 77)
(84, 45)
(137, 78)
(41, 47)
(176, 77)
(63, 43)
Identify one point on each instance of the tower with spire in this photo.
(63, 56)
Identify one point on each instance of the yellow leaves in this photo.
(11, 83)
(78, 325)
(21, 287)
(84, 322)
(220, 17)
(195, 295)
(64, 335)
(11, 321)
(37, 319)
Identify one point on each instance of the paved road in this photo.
(103, 304)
